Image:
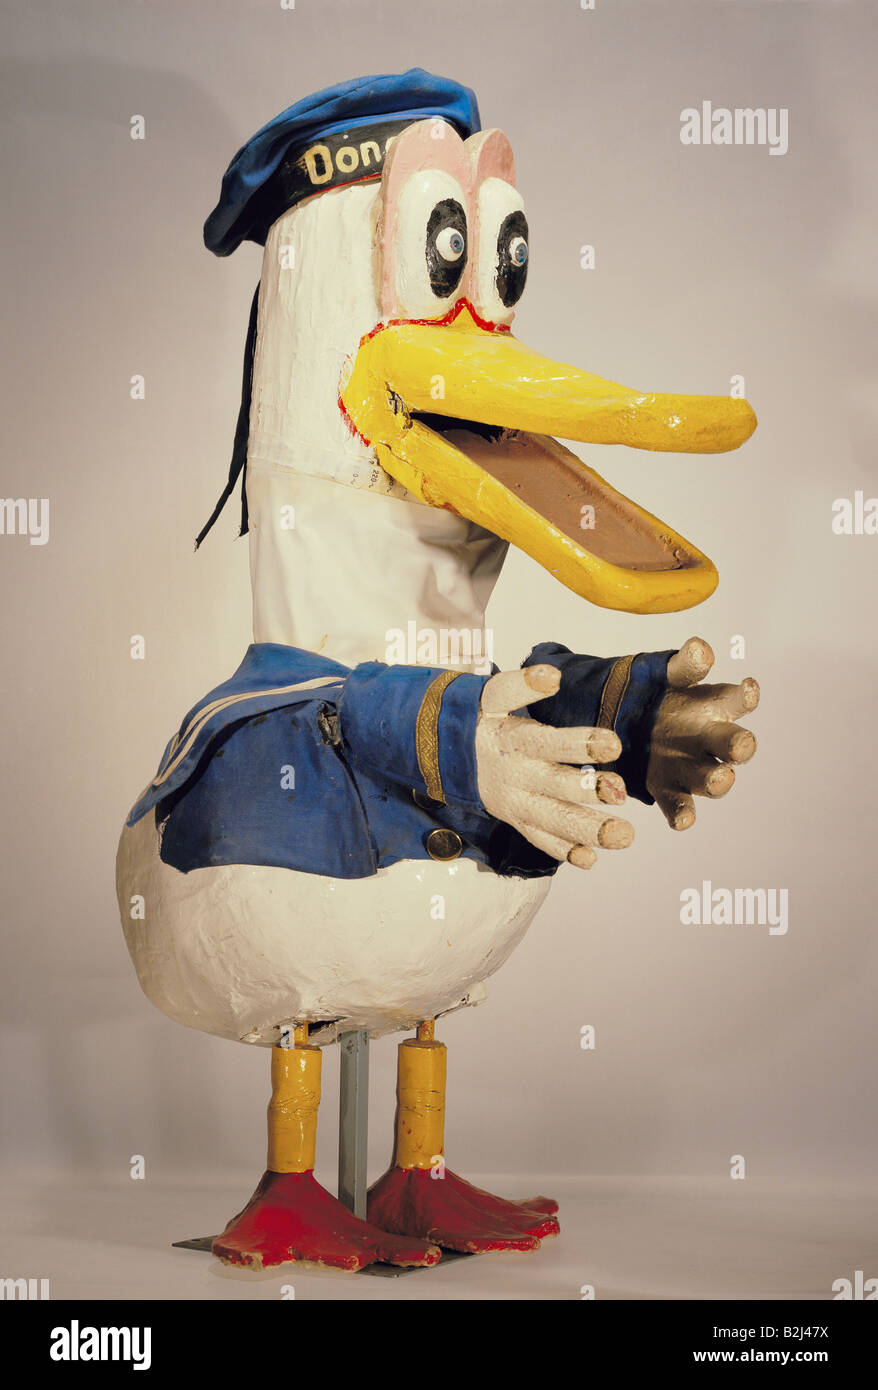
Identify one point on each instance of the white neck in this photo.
(363, 577)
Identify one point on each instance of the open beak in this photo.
(464, 417)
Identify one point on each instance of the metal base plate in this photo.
(394, 1271)
(196, 1243)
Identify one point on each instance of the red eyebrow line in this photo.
(449, 317)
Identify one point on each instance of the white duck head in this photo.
(400, 436)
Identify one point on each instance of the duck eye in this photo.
(446, 247)
(450, 244)
(518, 250)
(512, 253)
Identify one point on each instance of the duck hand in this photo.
(523, 778)
(695, 739)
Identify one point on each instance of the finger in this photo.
(704, 778)
(579, 825)
(728, 742)
(678, 809)
(580, 856)
(610, 788)
(690, 664)
(512, 690)
(735, 700)
(587, 787)
(580, 745)
(549, 844)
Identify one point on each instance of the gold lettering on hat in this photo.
(311, 156)
(347, 159)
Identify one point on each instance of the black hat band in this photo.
(348, 156)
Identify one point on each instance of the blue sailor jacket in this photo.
(301, 762)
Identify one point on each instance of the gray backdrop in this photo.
(713, 261)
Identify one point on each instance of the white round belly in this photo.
(243, 950)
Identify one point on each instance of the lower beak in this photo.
(464, 418)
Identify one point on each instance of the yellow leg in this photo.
(420, 1116)
(292, 1110)
(449, 1211)
(290, 1217)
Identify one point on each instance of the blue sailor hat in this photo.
(310, 147)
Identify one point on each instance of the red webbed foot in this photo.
(290, 1217)
(452, 1213)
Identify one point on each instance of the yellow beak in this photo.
(464, 418)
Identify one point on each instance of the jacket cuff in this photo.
(417, 726)
(620, 693)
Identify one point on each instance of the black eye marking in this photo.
(446, 247)
(512, 256)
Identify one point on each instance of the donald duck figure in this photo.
(333, 842)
